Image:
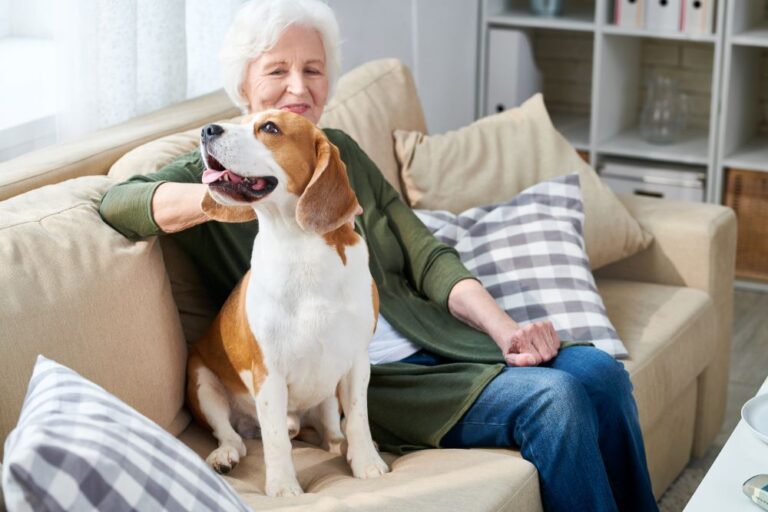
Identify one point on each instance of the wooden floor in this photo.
(749, 368)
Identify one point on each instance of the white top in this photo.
(388, 345)
(742, 457)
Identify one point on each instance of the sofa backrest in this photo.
(78, 292)
(96, 152)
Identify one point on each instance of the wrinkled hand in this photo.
(530, 345)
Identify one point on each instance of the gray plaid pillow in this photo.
(77, 447)
(529, 253)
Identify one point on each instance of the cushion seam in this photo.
(519, 490)
(78, 205)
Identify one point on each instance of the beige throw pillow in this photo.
(495, 158)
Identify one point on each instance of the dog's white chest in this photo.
(311, 314)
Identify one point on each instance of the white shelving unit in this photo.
(743, 130)
(610, 128)
(730, 134)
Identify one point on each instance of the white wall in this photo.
(436, 39)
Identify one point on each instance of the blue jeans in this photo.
(574, 418)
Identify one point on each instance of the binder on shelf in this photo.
(629, 13)
(513, 76)
(698, 17)
(663, 15)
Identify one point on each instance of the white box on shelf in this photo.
(513, 76)
(629, 13)
(663, 15)
(698, 16)
(644, 179)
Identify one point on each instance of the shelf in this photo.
(692, 149)
(575, 129)
(753, 155)
(755, 36)
(641, 32)
(573, 19)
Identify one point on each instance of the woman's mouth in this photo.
(296, 108)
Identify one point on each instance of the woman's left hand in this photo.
(530, 345)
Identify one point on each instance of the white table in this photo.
(742, 457)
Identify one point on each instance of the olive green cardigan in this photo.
(410, 406)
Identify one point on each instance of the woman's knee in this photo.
(599, 372)
(561, 402)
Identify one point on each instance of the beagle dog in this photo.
(296, 329)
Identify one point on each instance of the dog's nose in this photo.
(211, 131)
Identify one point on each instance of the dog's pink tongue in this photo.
(209, 176)
(260, 184)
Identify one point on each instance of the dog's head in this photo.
(275, 158)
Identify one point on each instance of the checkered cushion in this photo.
(77, 447)
(529, 254)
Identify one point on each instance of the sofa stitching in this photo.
(78, 205)
(503, 507)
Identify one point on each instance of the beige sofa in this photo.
(118, 311)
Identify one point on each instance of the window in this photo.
(27, 87)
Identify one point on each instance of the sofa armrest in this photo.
(96, 152)
(694, 246)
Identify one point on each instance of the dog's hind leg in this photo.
(213, 405)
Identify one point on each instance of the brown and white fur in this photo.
(298, 325)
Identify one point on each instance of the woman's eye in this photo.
(277, 72)
(313, 71)
(270, 127)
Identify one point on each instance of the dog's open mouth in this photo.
(240, 188)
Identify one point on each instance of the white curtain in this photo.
(121, 58)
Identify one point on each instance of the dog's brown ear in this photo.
(224, 213)
(328, 201)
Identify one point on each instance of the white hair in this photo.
(256, 28)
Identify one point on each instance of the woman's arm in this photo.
(531, 345)
(163, 202)
(176, 206)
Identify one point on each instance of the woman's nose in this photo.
(296, 84)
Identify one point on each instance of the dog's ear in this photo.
(328, 201)
(224, 213)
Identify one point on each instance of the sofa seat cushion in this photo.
(669, 332)
(477, 480)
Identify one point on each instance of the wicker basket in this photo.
(747, 194)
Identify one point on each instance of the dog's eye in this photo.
(270, 127)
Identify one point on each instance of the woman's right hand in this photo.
(530, 345)
(176, 206)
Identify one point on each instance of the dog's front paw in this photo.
(371, 466)
(280, 487)
(224, 458)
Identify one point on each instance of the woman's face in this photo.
(290, 76)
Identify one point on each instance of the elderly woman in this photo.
(468, 375)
